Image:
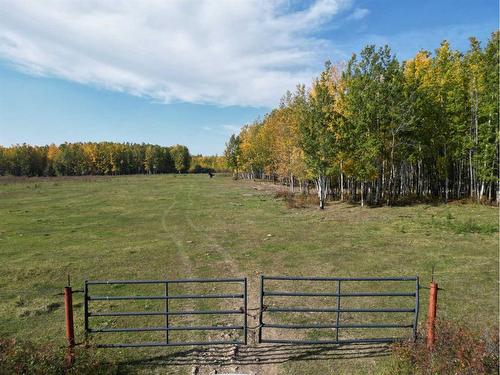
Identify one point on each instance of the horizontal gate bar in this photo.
(180, 296)
(305, 278)
(176, 281)
(152, 344)
(353, 294)
(179, 328)
(161, 313)
(299, 309)
(329, 342)
(308, 326)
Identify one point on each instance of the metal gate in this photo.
(347, 300)
(327, 310)
(159, 306)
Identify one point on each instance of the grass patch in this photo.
(24, 357)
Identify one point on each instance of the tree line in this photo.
(379, 131)
(102, 158)
(208, 163)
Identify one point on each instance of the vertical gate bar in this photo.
(261, 306)
(338, 312)
(417, 307)
(86, 307)
(245, 307)
(166, 313)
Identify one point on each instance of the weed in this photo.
(469, 225)
(457, 350)
(449, 216)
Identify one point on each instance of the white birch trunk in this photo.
(341, 183)
(321, 185)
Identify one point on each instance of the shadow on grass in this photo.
(399, 203)
(261, 355)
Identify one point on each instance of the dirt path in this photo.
(234, 359)
(179, 246)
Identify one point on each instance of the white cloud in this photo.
(225, 52)
(358, 14)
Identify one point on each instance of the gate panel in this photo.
(351, 310)
(159, 306)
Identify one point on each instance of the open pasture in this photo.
(186, 226)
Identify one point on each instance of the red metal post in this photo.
(70, 328)
(431, 316)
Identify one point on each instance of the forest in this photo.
(379, 131)
(103, 158)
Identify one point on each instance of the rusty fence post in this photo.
(70, 328)
(431, 316)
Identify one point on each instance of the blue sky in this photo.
(192, 72)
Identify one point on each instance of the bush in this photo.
(297, 200)
(28, 358)
(457, 350)
(199, 169)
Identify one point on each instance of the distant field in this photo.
(180, 226)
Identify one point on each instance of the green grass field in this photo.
(166, 226)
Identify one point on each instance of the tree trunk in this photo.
(341, 183)
(321, 185)
(362, 194)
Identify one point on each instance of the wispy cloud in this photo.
(220, 52)
(231, 128)
(223, 129)
(358, 14)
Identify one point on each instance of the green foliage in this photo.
(318, 118)
(232, 153)
(104, 158)
(23, 160)
(423, 129)
(181, 157)
(204, 164)
(374, 83)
